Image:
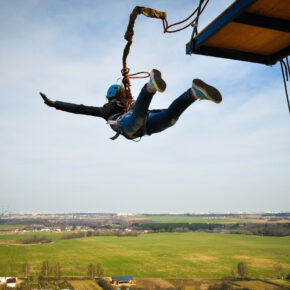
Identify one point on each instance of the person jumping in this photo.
(138, 120)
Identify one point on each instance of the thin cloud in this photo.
(232, 156)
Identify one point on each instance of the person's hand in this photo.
(47, 101)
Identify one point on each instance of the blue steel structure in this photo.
(274, 23)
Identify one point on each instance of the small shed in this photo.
(11, 282)
(117, 280)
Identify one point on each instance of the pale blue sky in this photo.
(228, 157)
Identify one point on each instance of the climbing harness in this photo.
(114, 125)
(113, 122)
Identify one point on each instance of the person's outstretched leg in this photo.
(134, 120)
(158, 122)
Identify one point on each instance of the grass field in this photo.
(12, 238)
(190, 219)
(166, 255)
(158, 283)
(11, 227)
(85, 285)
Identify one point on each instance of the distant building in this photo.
(123, 214)
(117, 280)
(11, 282)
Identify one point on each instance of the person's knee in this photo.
(173, 121)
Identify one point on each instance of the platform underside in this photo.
(249, 30)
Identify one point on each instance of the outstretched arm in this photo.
(103, 112)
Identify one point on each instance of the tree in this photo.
(57, 271)
(40, 281)
(100, 271)
(234, 272)
(92, 271)
(26, 269)
(279, 268)
(242, 269)
(45, 268)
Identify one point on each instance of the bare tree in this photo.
(91, 271)
(26, 269)
(234, 272)
(243, 270)
(100, 271)
(45, 268)
(279, 268)
(4, 211)
(57, 271)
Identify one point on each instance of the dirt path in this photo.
(85, 285)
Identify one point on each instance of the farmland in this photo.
(85, 285)
(164, 255)
(190, 219)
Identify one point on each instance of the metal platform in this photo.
(249, 30)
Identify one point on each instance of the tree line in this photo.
(53, 274)
(261, 229)
(34, 240)
(172, 227)
(99, 233)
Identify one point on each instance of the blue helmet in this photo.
(112, 91)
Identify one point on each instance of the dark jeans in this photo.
(138, 122)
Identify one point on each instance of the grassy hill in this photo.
(166, 255)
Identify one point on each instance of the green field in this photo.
(13, 237)
(165, 255)
(190, 219)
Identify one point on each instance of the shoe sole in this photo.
(210, 92)
(157, 80)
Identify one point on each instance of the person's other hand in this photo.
(47, 101)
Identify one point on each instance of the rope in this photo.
(148, 12)
(198, 10)
(133, 76)
(126, 82)
(285, 75)
(129, 37)
(152, 13)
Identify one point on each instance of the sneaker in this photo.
(156, 83)
(204, 91)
